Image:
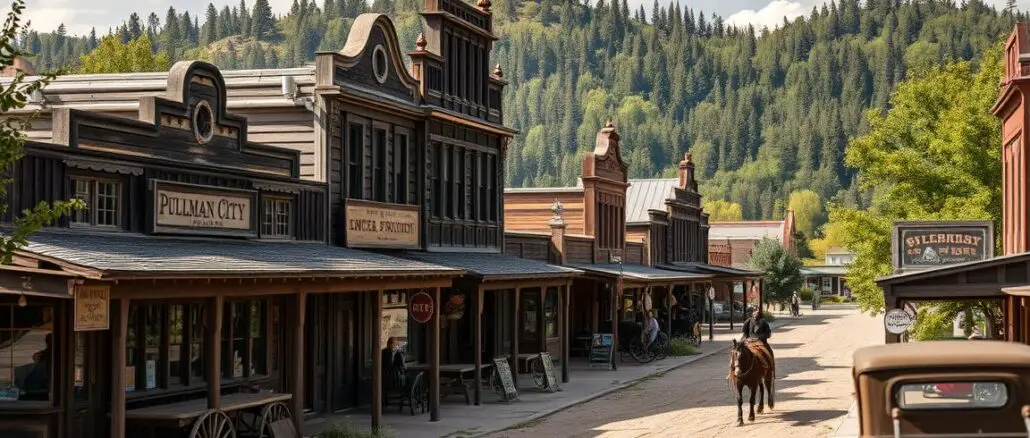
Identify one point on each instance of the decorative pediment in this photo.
(605, 161)
(371, 61)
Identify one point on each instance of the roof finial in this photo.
(497, 71)
(557, 208)
(484, 5)
(420, 42)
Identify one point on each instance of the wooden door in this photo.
(344, 347)
(315, 365)
(91, 385)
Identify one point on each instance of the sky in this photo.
(79, 16)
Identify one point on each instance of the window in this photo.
(26, 365)
(952, 395)
(463, 212)
(827, 283)
(447, 167)
(492, 191)
(276, 218)
(400, 169)
(379, 178)
(395, 319)
(244, 343)
(484, 191)
(551, 313)
(436, 164)
(355, 149)
(102, 198)
(164, 346)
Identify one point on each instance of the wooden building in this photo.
(586, 227)
(181, 296)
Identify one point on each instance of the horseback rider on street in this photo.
(756, 327)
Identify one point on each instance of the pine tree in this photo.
(210, 33)
(135, 28)
(262, 23)
(244, 19)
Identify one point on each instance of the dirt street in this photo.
(813, 390)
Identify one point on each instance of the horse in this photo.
(751, 365)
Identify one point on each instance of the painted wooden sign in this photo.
(92, 305)
(922, 245)
(381, 225)
(192, 209)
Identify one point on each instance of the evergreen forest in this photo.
(765, 113)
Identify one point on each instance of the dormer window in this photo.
(103, 202)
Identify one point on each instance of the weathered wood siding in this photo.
(579, 249)
(528, 246)
(634, 253)
(531, 210)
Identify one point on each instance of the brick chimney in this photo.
(19, 64)
(686, 173)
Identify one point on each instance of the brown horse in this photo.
(751, 365)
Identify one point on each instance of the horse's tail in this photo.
(771, 387)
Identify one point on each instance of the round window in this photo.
(379, 64)
(203, 122)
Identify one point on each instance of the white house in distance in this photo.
(830, 278)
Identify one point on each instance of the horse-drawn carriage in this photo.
(943, 388)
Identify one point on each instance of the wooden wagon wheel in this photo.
(419, 397)
(213, 424)
(270, 414)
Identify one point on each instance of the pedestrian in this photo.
(652, 328)
(795, 304)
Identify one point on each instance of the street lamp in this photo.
(711, 313)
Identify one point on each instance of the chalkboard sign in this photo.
(506, 391)
(549, 379)
(601, 350)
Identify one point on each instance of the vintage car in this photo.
(953, 388)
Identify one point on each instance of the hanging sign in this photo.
(92, 303)
(923, 245)
(897, 321)
(382, 225)
(421, 307)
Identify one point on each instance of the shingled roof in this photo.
(138, 256)
(493, 266)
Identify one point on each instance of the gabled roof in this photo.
(124, 255)
(648, 194)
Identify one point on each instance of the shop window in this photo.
(196, 354)
(276, 221)
(244, 343)
(551, 313)
(355, 148)
(26, 341)
(164, 347)
(436, 168)
(103, 202)
(827, 283)
(176, 342)
(530, 307)
(379, 177)
(395, 319)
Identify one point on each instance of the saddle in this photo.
(760, 351)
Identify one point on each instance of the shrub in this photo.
(806, 294)
(681, 347)
(338, 430)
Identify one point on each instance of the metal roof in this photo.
(639, 272)
(746, 230)
(136, 255)
(648, 194)
(952, 269)
(710, 269)
(493, 266)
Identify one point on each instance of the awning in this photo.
(135, 256)
(989, 278)
(705, 268)
(493, 267)
(639, 273)
(18, 280)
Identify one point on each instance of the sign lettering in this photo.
(422, 309)
(179, 206)
(926, 245)
(381, 225)
(897, 321)
(91, 307)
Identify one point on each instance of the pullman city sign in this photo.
(922, 245)
(192, 209)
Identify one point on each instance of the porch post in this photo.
(515, 338)
(214, 359)
(730, 294)
(297, 387)
(668, 310)
(477, 354)
(434, 360)
(121, 327)
(377, 362)
(616, 313)
(761, 294)
(563, 299)
(747, 289)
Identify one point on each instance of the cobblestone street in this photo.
(813, 391)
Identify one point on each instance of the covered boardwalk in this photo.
(201, 330)
(980, 280)
(724, 278)
(630, 287)
(527, 310)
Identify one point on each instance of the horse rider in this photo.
(756, 327)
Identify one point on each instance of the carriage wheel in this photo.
(213, 424)
(639, 353)
(538, 374)
(662, 346)
(270, 414)
(419, 395)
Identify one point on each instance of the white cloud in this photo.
(770, 16)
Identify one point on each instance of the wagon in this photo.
(943, 388)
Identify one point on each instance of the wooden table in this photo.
(455, 371)
(183, 414)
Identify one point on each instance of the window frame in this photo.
(93, 191)
(355, 159)
(52, 310)
(274, 199)
(380, 162)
